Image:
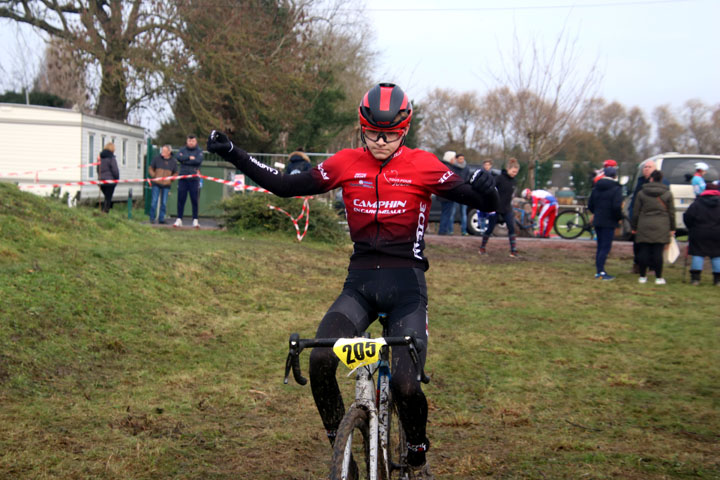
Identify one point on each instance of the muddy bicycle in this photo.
(370, 442)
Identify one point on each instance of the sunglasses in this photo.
(388, 135)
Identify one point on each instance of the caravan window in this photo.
(139, 155)
(124, 151)
(91, 157)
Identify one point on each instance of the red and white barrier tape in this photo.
(54, 169)
(305, 211)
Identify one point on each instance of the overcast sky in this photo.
(650, 52)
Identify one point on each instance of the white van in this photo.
(678, 170)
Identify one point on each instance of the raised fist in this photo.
(219, 143)
(482, 181)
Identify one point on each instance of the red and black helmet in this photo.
(382, 106)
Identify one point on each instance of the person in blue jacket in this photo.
(606, 205)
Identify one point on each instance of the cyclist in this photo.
(548, 209)
(386, 188)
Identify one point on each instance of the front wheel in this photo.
(351, 451)
(570, 224)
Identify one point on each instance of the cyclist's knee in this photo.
(322, 362)
(334, 324)
(405, 386)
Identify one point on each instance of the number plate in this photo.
(356, 352)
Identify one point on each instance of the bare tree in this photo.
(549, 91)
(671, 134)
(131, 44)
(702, 131)
(62, 75)
(450, 121)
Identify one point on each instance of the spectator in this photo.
(108, 170)
(698, 182)
(648, 166)
(548, 206)
(653, 223)
(190, 157)
(601, 173)
(163, 165)
(447, 207)
(462, 169)
(505, 184)
(298, 163)
(606, 205)
(702, 219)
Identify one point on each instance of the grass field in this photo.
(128, 352)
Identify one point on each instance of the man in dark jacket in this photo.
(606, 205)
(702, 219)
(461, 168)
(190, 157)
(163, 165)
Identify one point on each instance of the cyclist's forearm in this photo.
(464, 193)
(272, 179)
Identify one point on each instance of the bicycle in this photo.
(370, 429)
(571, 224)
(524, 224)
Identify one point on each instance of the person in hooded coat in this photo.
(653, 223)
(299, 162)
(702, 219)
(606, 205)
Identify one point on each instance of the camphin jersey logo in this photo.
(383, 207)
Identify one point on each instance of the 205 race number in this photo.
(357, 352)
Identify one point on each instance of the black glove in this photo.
(219, 143)
(482, 181)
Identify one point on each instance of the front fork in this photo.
(383, 403)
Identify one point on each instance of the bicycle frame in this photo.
(365, 398)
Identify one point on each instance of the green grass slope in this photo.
(128, 352)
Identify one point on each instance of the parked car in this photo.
(678, 169)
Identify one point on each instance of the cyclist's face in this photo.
(382, 143)
(512, 172)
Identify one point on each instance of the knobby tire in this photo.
(570, 224)
(354, 428)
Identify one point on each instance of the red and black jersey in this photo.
(387, 203)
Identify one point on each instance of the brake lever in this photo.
(415, 346)
(293, 360)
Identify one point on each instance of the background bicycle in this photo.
(524, 224)
(574, 222)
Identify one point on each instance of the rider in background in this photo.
(387, 188)
(548, 205)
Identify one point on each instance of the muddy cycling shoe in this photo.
(421, 472)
